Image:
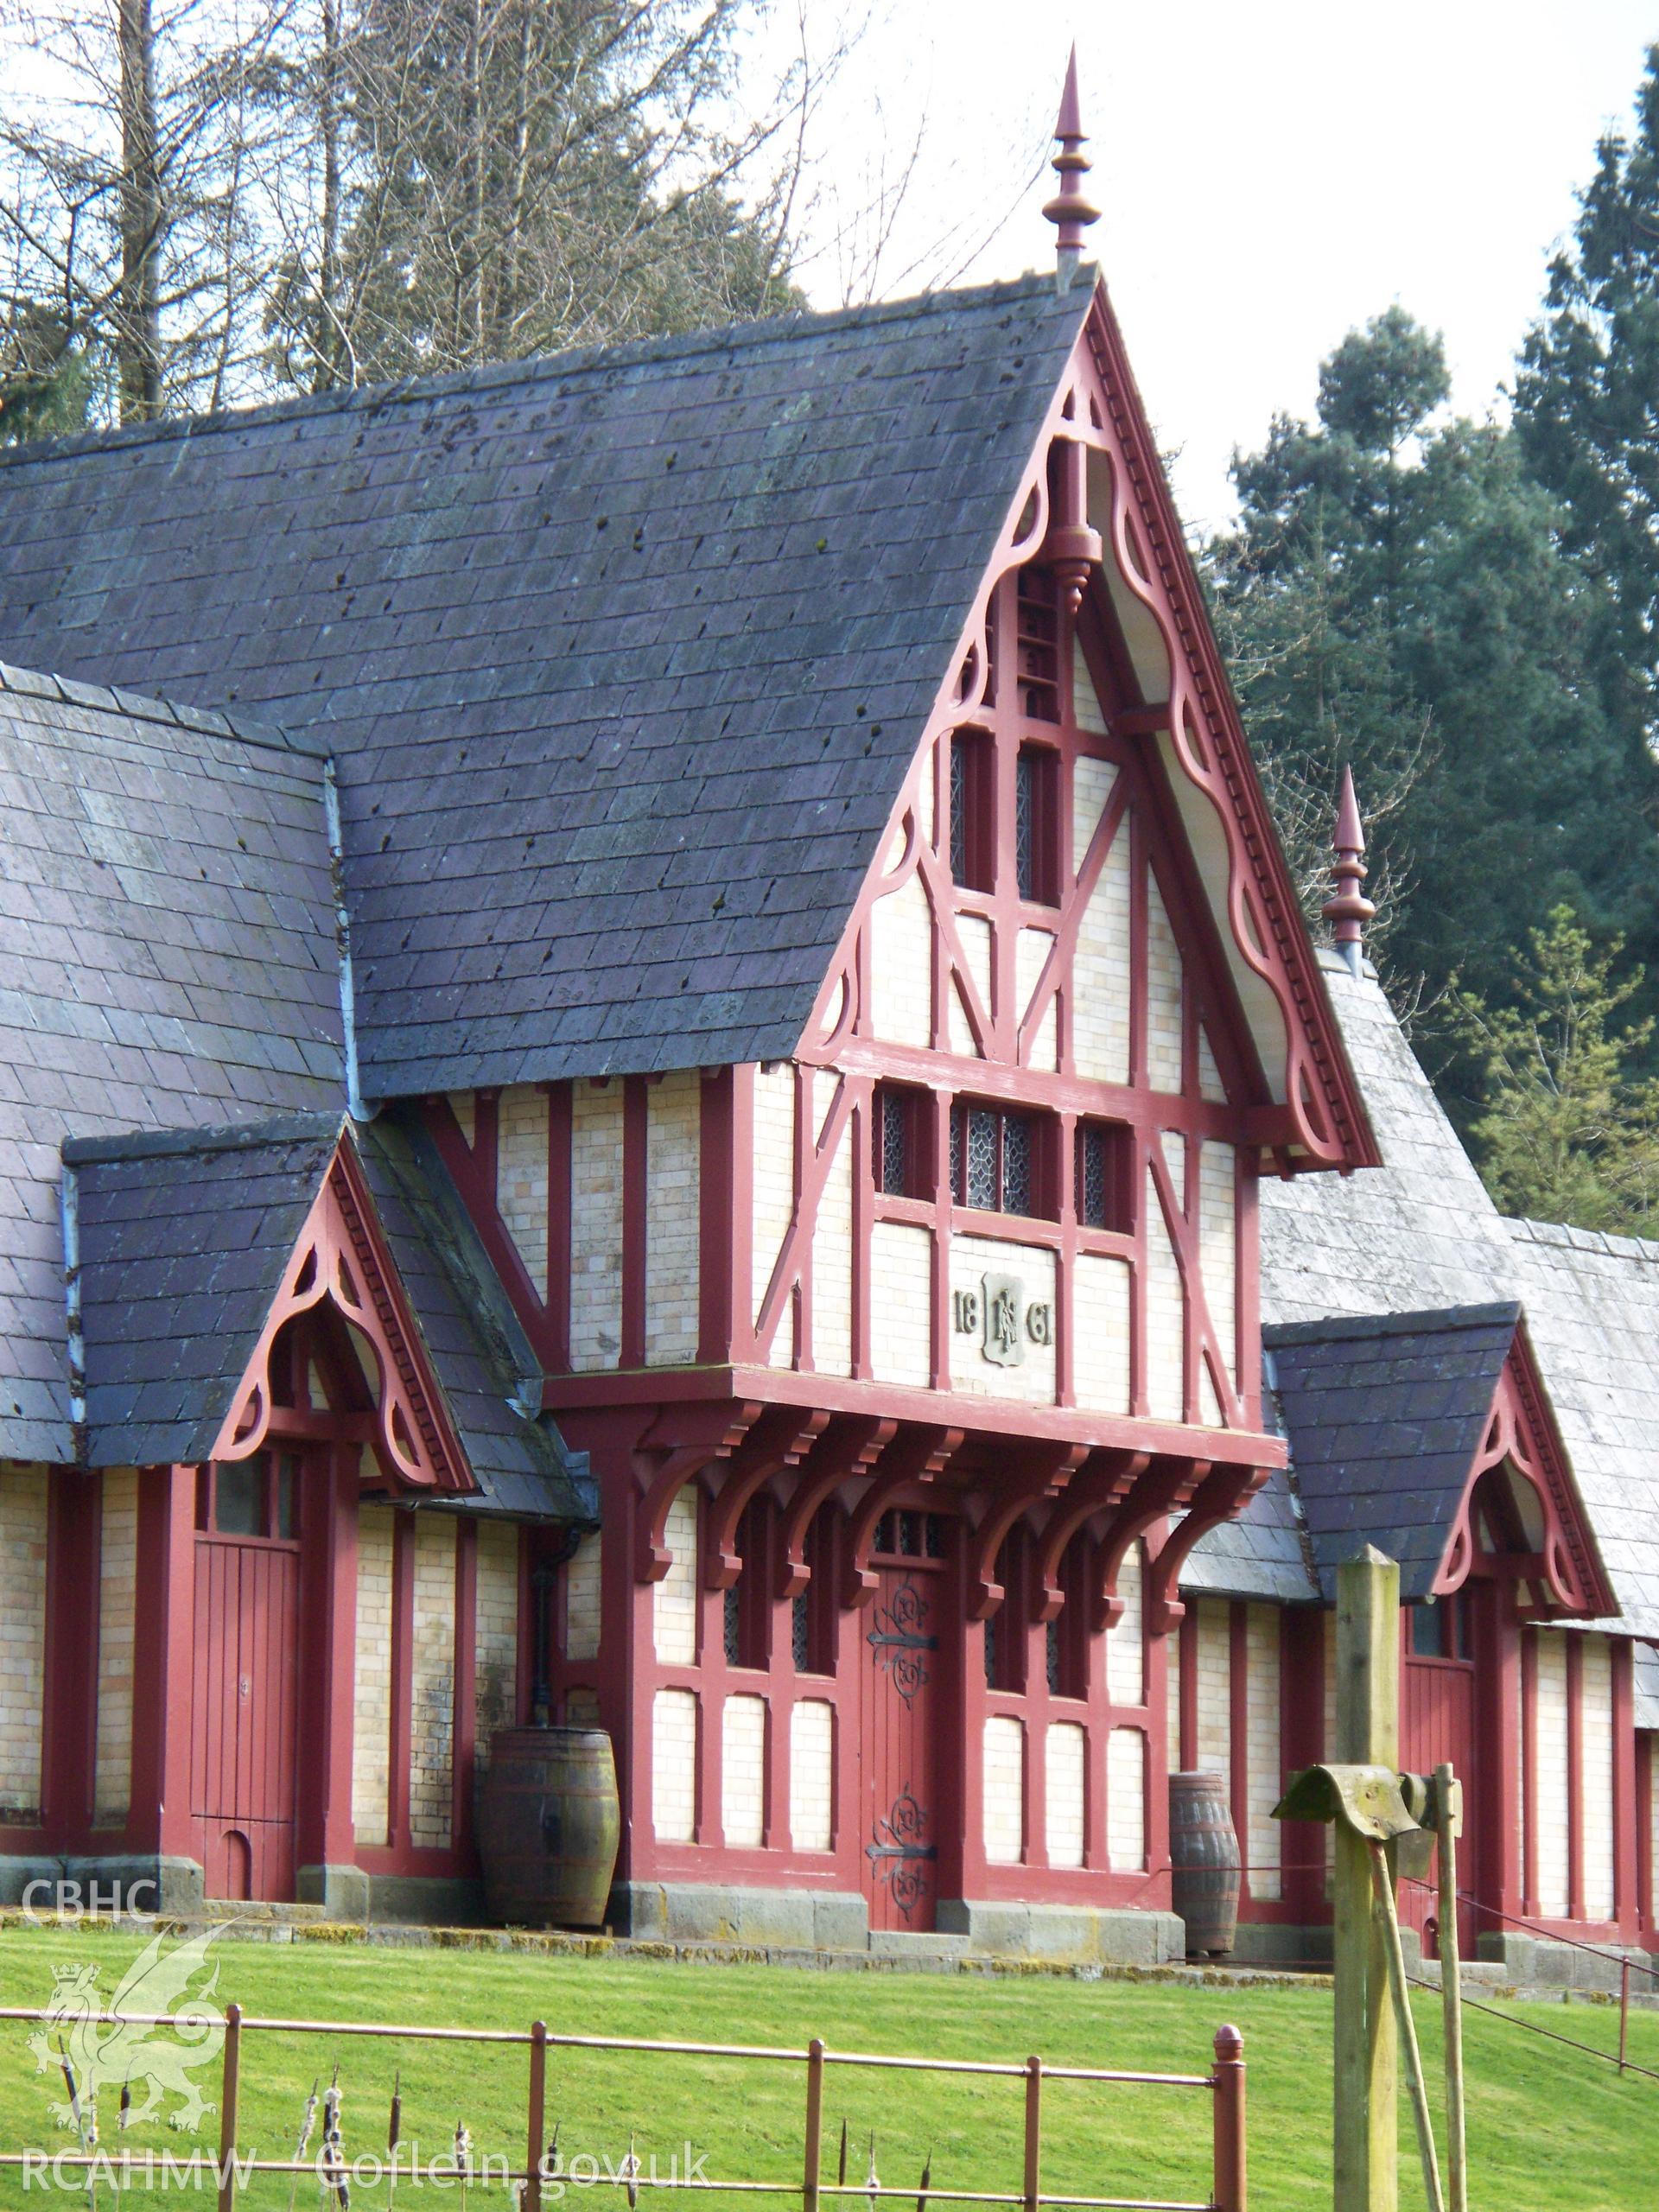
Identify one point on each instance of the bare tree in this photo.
(129, 162)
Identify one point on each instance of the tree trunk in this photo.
(326, 372)
(138, 330)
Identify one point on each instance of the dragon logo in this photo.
(121, 2046)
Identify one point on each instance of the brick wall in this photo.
(901, 1293)
(1126, 1656)
(1217, 1249)
(743, 1771)
(973, 933)
(463, 1106)
(1163, 994)
(1262, 1844)
(1100, 1355)
(596, 1225)
(582, 1599)
(372, 1678)
(23, 1638)
(673, 1123)
(1005, 1788)
(901, 963)
(521, 1178)
(1085, 704)
(1596, 1743)
(432, 1683)
(674, 1599)
(1033, 1381)
(1100, 972)
(1063, 1793)
(1214, 1686)
(1030, 952)
(674, 1765)
(811, 1769)
(1549, 1798)
(1172, 1702)
(832, 1252)
(1210, 1085)
(495, 1634)
(774, 1186)
(1166, 1303)
(1126, 1801)
(117, 1604)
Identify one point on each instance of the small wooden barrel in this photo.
(1204, 1861)
(549, 1825)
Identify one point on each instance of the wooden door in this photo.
(244, 1769)
(1437, 1722)
(900, 1716)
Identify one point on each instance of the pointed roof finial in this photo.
(1348, 909)
(1068, 211)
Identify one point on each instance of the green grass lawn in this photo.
(1547, 2126)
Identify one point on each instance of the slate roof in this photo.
(1385, 1416)
(166, 959)
(624, 654)
(1421, 1233)
(183, 1240)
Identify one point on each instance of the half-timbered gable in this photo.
(751, 934)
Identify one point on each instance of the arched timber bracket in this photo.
(1218, 1497)
(779, 1441)
(1105, 1482)
(1161, 1487)
(1042, 1471)
(918, 1455)
(851, 1447)
(339, 1260)
(1521, 1435)
(663, 1463)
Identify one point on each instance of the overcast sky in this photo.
(1269, 176)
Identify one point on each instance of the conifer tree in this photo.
(1569, 1132)
(1586, 400)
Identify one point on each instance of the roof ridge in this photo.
(231, 1136)
(145, 707)
(1341, 1327)
(535, 368)
(1616, 1244)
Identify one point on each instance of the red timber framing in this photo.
(1097, 757)
(246, 1571)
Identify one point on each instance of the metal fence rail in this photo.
(1225, 2084)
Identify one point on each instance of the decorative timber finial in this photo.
(1348, 909)
(1068, 211)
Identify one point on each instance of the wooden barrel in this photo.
(548, 1826)
(1204, 1862)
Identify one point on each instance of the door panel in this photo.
(900, 1739)
(1437, 1722)
(244, 1714)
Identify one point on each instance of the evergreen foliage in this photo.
(1586, 400)
(1396, 598)
(1569, 1131)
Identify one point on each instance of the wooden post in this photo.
(535, 2127)
(1034, 2133)
(1228, 2187)
(810, 2164)
(1382, 1887)
(1366, 2176)
(1446, 1803)
(1624, 2010)
(230, 2084)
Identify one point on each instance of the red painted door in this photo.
(901, 1717)
(1437, 1722)
(245, 1703)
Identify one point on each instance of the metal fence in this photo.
(1223, 2085)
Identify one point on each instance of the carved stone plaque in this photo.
(1004, 1341)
